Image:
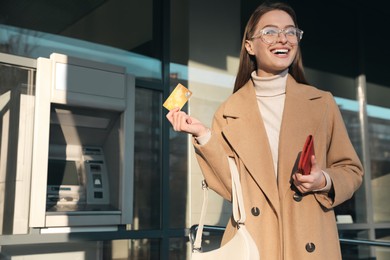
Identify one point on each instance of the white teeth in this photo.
(281, 51)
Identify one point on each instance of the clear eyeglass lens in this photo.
(270, 34)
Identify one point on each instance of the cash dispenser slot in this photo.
(80, 179)
(79, 184)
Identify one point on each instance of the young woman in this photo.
(263, 125)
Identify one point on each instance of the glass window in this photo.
(178, 142)
(125, 33)
(379, 136)
(382, 252)
(378, 111)
(352, 251)
(127, 25)
(147, 160)
(178, 248)
(140, 249)
(353, 210)
(60, 251)
(17, 89)
(179, 42)
(178, 176)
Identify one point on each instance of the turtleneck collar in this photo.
(270, 86)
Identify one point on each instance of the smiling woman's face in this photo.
(275, 58)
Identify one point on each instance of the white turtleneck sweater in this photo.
(270, 95)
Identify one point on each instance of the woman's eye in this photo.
(290, 32)
(270, 32)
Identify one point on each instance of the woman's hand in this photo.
(182, 122)
(314, 181)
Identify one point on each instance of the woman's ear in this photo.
(248, 47)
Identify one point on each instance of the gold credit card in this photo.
(178, 97)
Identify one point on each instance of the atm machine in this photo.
(83, 141)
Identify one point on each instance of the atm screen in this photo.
(61, 172)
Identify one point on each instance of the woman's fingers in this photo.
(314, 181)
(179, 120)
(182, 122)
(171, 114)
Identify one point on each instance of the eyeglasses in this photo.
(270, 35)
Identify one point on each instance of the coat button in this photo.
(255, 211)
(297, 197)
(310, 247)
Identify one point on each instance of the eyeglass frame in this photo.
(279, 31)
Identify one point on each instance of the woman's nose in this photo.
(282, 37)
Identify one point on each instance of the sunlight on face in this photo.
(273, 58)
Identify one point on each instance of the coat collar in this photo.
(251, 144)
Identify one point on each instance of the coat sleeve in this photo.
(342, 163)
(212, 158)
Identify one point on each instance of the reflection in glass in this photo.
(147, 160)
(353, 210)
(134, 249)
(178, 142)
(353, 252)
(126, 25)
(178, 174)
(379, 136)
(36, 44)
(80, 250)
(17, 88)
(178, 179)
(178, 248)
(382, 252)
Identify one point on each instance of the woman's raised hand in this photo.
(182, 122)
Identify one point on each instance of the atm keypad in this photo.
(97, 181)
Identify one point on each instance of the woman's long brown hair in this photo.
(248, 62)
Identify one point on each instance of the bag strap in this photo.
(237, 199)
(198, 239)
(237, 203)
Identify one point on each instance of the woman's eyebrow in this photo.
(273, 25)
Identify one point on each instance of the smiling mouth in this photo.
(280, 51)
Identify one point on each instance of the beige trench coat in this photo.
(284, 224)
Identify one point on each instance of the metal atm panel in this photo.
(83, 144)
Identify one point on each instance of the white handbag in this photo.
(242, 245)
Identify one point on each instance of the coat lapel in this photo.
(251, 143)
(303, 113)
(245, 132)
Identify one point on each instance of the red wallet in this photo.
(304, 165)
